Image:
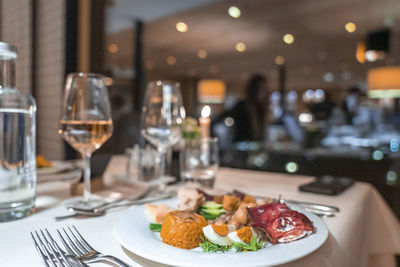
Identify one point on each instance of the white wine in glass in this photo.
(86, 136)
(86, 123)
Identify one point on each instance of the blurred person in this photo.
(324, 109)
(351, 103)
(248, 117)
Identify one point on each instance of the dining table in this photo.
(364, 233)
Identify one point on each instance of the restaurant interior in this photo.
(302, 96)
(316, 72)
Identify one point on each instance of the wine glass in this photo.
(85, 122)
(162, 114)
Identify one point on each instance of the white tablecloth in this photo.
(364, 233)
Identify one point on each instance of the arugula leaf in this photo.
(254, 245)
(155, 227)
(208, 246)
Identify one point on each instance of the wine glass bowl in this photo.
(162, 115)
(85, 121)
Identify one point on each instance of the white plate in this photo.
(132, 232)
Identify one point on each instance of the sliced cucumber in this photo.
(213, 211)
(209, 217)
(211, 205)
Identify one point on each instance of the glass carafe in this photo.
(17, 142)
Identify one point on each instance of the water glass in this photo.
(149, 164)
(199, 161)
(17, 142)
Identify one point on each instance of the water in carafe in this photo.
(17, 142)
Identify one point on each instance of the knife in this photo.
(315, 206)
(311, 205)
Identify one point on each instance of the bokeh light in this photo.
(234, 12)
(391, 178)
(288, 38)
(202, 53)
(182, 27)
(280, 60)
(171, 60)
(394, 145)
(112, 48)
(350, 27)
(377, 155)
(240, 47)
(291, 167)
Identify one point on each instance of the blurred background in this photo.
(301, 87)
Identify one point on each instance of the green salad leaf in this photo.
(254, 245)
(208, 246)
(155, 227)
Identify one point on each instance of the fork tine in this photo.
(75, 248)
(57, 248)
(83, 240)
(46, 251)
(67, 247)
(52, 250)
(39, 250)
(78, 243)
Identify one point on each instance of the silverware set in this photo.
(76, 253)
(123, 202)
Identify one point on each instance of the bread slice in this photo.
(157, 213)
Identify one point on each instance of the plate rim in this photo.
(172, 261)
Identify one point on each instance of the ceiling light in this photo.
(280, 60)
(374, 55)
(350, 27)
(240, 47)
(288, 38)
(234, 12)
(171, 60)
(112, 48)
(181, 27)
(202, 53)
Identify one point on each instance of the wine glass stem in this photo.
(163, 163)
(86, 177)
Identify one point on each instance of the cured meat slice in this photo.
(280, 223)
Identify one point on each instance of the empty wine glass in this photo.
(162, 115)
(86, 122)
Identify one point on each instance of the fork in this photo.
(49, 251)
(77, 246)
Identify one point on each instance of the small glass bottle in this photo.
(17, 142)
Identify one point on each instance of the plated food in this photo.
(231, 222)
(131, 230)
(42, 162)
